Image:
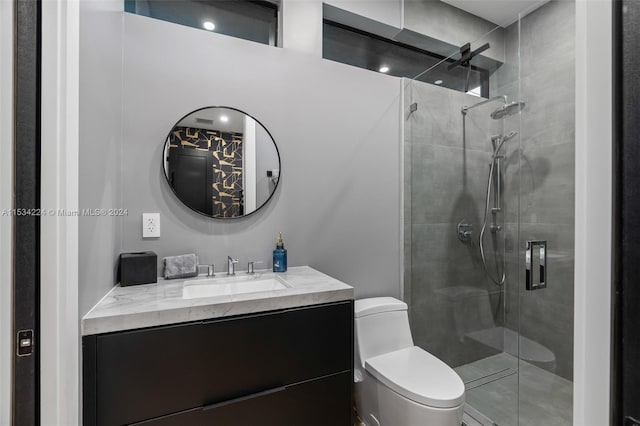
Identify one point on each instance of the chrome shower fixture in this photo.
(507, 110)
(495, 173)
(465, 231)
(512, 134)
(499, 140)
(486, 101)
(466, 55)
(494, 180)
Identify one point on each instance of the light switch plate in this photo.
(150, 225)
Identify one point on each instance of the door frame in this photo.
(61, 362)
(26, 214)
(6, 202)
(625, 387)
(593, 213)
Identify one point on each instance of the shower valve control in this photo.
(465, 231)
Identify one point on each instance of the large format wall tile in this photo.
(448, 184)
(440, 324)
(449, 293)
(547, 37)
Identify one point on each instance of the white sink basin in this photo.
(230, 286)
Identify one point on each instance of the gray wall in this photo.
(337, 129)
(449, 24)
(446, 175)
(100, 183)
(546, 178)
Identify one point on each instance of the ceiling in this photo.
(234, 123)
(500, 12)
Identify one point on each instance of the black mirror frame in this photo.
(164, 171)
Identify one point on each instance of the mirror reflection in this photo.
(221, 162)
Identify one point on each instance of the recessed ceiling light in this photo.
(224, 118)
(208, 25)
(438, 82)
(384, 68)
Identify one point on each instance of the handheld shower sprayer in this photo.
(498, 140)
(495, 180)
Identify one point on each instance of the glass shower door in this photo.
(545, 242)
(462, 170)
(489, 178)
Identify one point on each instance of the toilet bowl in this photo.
(397, 383)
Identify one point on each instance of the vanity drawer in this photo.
(148, 373)
(320, 402)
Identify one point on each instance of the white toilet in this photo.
(397, 383)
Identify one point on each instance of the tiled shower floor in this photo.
(544, 398)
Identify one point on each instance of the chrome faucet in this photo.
(231, 265)
(250, 266)
(210, 270)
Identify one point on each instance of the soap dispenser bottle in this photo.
(280, 256)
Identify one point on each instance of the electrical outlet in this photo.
(150, 225)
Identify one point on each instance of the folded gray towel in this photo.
(184, 266)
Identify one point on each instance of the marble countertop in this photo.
(166, 302)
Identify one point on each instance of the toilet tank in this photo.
(381, 326)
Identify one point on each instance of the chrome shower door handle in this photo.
(536, 254)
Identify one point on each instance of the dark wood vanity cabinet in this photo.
(280, 368)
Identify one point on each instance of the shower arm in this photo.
(503, 98)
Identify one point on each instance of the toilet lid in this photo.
(418, 376)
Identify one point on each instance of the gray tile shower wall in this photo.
(441, 21)
(545, 176)
(446, 174)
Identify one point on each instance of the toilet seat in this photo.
(418, 376)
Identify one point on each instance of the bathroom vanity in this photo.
(174, 354)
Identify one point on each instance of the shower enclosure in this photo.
(489, 175)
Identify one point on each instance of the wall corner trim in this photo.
(60, 325)
(593, 213)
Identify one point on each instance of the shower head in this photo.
(512, 134)
(499, 140)
(507, 110)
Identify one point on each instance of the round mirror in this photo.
(221, 162)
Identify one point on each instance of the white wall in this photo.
(592, 339)
(101, 147)
(302, 26)
(59, 326)
(337, 128)
(6, 191)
